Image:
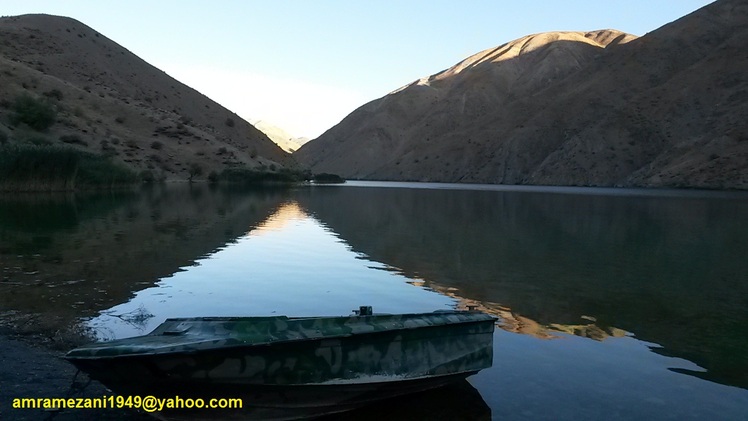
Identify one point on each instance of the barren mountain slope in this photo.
(429, 129)
(595, 108)
(282, 138)
(671, 108)
(115, 103)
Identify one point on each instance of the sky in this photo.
(304, 65)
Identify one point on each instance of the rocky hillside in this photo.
(598, 108)
(109, 101)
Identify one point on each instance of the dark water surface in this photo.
(613, 304)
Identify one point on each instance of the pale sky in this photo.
(305, 65)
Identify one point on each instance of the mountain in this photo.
(109, 101)
(599, 108)
(285, 140)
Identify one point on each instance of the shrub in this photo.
(230, 122)
(37, 114)
(38, 141)
(54, 94)
(107, 149)
(97, 171)
(147, 177)
(73, 139)
(195, 170)
(325, 178)
(249, 176)
(157, 145)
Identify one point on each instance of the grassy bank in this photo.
(28, 167)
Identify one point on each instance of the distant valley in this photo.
(285, 140)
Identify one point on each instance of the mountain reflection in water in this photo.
(64, 256)
(586, 282)
(289, 264)
(671, 269)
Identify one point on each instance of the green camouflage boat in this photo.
(293, 367)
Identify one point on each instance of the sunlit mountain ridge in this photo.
(599, 108)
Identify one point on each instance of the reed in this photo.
(28, 167)
(96, 171)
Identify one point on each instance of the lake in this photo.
(613, 303)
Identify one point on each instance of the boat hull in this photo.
(315, 375)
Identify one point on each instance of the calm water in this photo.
(614, 304)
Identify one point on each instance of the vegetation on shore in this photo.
(30, 160)
(29, 167)
(326, 178)
(247, 176)
(41, 167)
(253, 176)
(39, 114)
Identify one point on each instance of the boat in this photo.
(293, 367)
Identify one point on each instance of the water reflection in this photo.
(511, 321)
(289, 264)
(672, 270)
(64, 256)
(460, 401)
(586, 286)
(286, 214)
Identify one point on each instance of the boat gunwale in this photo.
(297, 318)
(266, 344)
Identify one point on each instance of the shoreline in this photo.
(29, 370)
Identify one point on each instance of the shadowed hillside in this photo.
(599, 108)
(106, 100)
